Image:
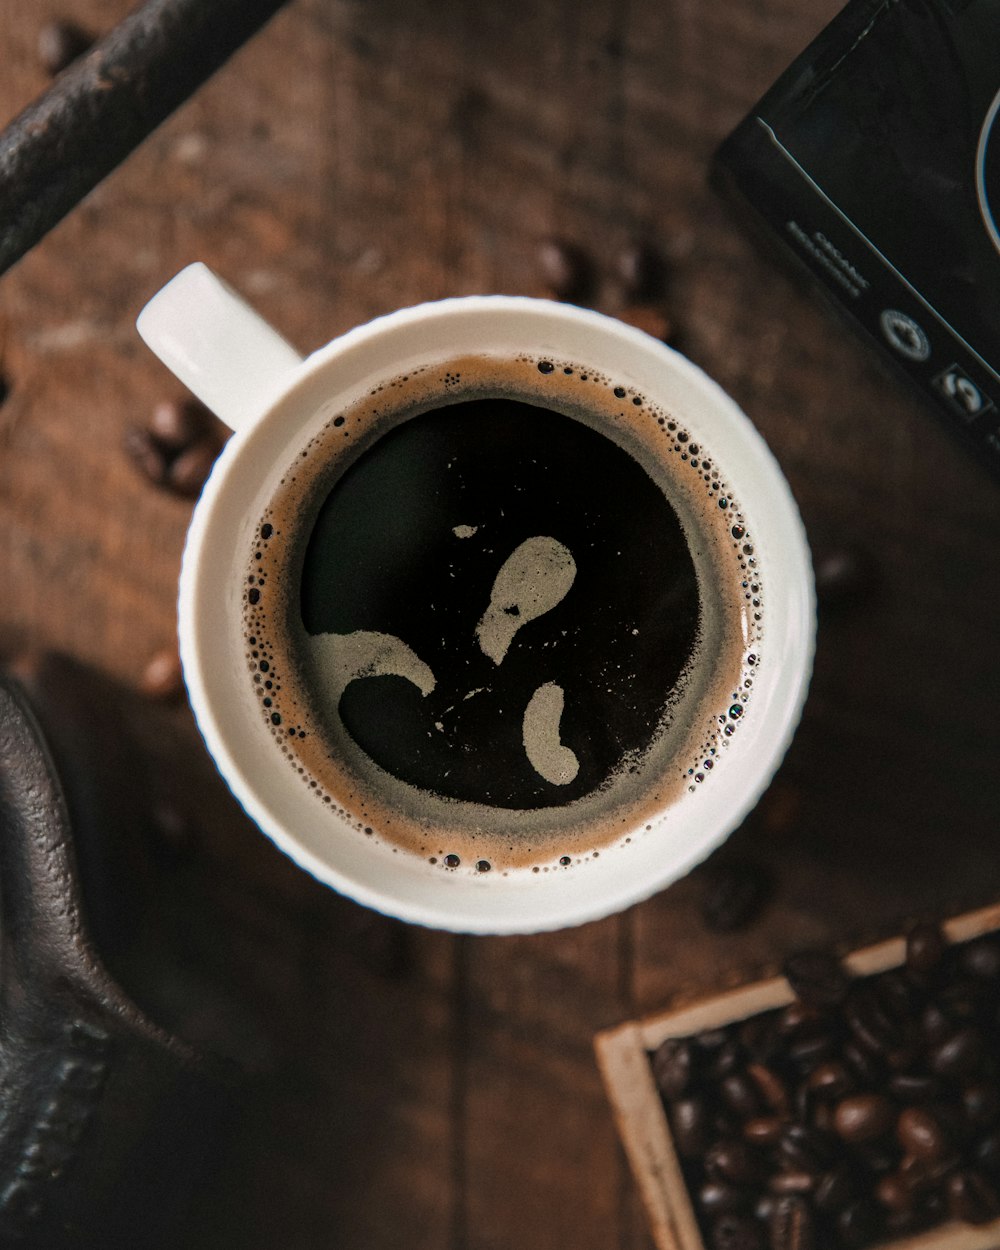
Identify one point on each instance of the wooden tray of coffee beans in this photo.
(850, 1103)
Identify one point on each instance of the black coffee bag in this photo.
(874, 161)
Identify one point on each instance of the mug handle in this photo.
(214, 342)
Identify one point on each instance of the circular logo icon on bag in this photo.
(988, 172)
(904, 334)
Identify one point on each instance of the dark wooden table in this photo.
(410, 1088)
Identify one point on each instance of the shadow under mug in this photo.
(276, 402)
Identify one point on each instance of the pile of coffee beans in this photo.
(866, 1110)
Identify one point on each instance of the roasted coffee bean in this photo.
(189, 472)
(162, 678)
(809, 1148)
(869, 1021)
(642, 270)
(925, 1175)
(981, 958)
(773, 1090)
(176, 836)
(935, 1025)
(869, 1067)
(736, 1232)
(844, 576)
(960, 1055)
(712, 1040)
(878, 1156)
(651, 319)
(146, 454)
(792, 1225)
(818, 978)
(822, 1116)
(692, 1124)
(727, 1059)
(971, 1197)
(792, 1183)
(987, 1153)
(909, 1087)
(858, 1224)
(732, 1160)
(925, 947)
(764, 1207)
(831, 1079)
(764, 1130)
(894, 1192)
(798, 1019)
(740, 1095)
(921, 1133)
(176, 424)
(673, 1066)
(981, 1103)
(864, 1117)
(717, 1198)
(566, 269)
(808, 1051)
(60, 43)
(836, 1189)
(760, 1038)
(964, 998)
(906, 1222)
(734, 892)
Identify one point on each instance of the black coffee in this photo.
(496, 613)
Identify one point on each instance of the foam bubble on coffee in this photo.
(455, 708)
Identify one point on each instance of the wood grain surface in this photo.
(410, 1088)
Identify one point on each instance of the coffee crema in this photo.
(501, 612)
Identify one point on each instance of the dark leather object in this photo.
(108, 1124)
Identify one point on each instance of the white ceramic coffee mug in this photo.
(276, 402)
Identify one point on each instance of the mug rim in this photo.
(453, 910)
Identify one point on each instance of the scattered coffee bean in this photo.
(162, 678)
(147, 455)
(177, 447)
(60, 43)
(741, 1096)
(566, 270)
(844, 576)
(189, 472)
(649, 318)
(176, 835)
(817, 978)
(734, 895)
(642, 271)
(176, 424)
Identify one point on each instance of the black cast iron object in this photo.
(107, 1122)
(103, 105)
